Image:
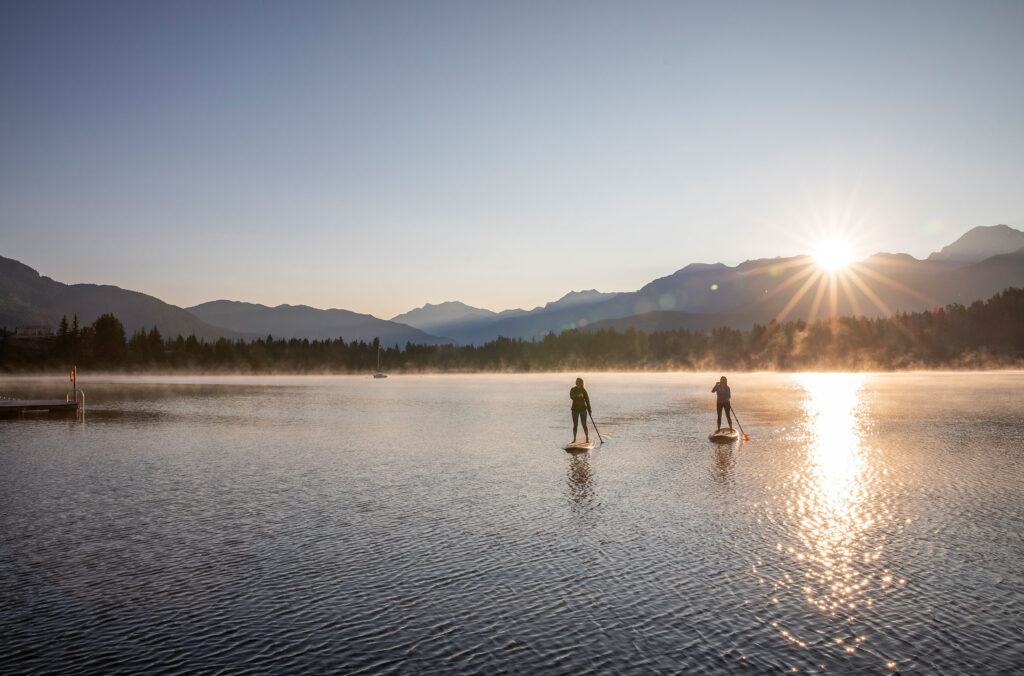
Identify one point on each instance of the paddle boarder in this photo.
(580, 408)
(724, 395)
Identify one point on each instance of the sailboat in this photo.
(379, 373)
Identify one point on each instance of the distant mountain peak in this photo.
(702, 267)
(901, 257)
(979, 243)
(304, 321)
(18, 270)
(451, 305)
(432, 316)
(574, 298)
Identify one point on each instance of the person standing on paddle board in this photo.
(724, 395)
(580, 408)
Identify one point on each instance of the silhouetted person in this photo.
(724, 395)
(580, 408)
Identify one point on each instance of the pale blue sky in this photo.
(375, 156)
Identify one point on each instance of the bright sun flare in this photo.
(833, 255)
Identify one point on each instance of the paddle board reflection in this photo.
(723, 471)
(581, 485)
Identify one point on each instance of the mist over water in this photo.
(432, 523)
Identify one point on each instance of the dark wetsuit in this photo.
(724, 394)
(580, 407)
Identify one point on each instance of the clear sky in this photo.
(376, 156)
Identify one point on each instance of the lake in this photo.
(872, 524)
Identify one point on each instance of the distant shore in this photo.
(987, 335)
(49, 374)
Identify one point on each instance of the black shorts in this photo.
(577, 415)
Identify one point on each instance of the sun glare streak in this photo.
(798, 295)
(845, 281)
(874, 274)
(867, 291)
(862, 285)
(833, 304)
(818, 296)
(813, 276)
(777, 267)
(804, 271)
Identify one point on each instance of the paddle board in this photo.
(724, 435)
(579, 446)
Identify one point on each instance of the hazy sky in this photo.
(375, 156)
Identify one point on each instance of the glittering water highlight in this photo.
(258, 525)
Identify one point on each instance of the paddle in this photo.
(745, 437)
(595, 427)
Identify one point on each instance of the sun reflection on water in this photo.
(831, 513)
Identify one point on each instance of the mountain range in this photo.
(700, 296)
(30, 299)
(474, 327)
(302, 321)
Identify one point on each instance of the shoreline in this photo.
(37, 375)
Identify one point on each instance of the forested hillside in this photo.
(986, 334)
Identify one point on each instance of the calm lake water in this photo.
(872, 524)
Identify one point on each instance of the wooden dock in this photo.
(16, 408)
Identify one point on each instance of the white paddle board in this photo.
(579, 446)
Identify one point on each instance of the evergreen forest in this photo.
(985, 334)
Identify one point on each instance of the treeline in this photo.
(986, 334)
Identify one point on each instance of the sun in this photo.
(833, 255)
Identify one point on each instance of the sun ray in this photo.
(867, 291)
(873, 297)
(833, 297)
(816, 303)
(815, 275)
(845, 281)
(799, 261)
(777, 321)
(885, 279)
(807, 270)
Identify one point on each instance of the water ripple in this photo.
(873, 524)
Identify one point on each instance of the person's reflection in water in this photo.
(582, 494)
(725, 464)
